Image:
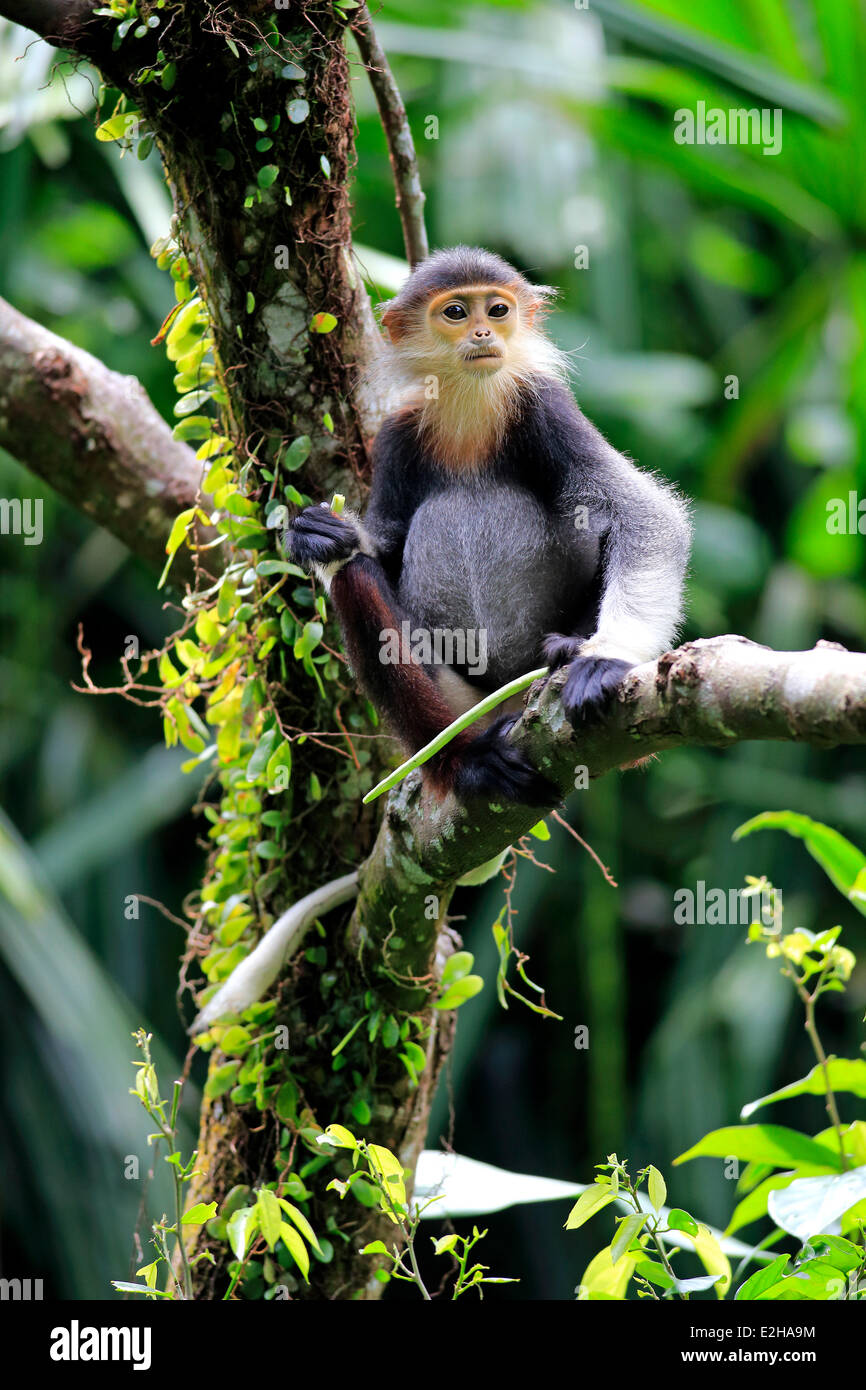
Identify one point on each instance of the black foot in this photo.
(589, 688)
(490, 767)
(318, 537)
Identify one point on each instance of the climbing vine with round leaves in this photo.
(252, 630)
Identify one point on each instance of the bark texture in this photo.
(94, 436)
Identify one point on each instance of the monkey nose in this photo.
(481, 333)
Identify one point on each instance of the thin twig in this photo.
(589, 849)
(401, 147)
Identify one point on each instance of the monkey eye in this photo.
(454, 312)
(498, 311)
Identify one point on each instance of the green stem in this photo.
(811, 1029)
(652, 1231)
(416, 1271)
(483, 707)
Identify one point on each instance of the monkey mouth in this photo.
(488, 354)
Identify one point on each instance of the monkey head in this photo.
(465, 311)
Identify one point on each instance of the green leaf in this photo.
(123, 1286)
(588, 1204)
(297, 453)
(199, 1214)
(762, 1279)
(763, 1144)
(603, 1280)
(241, 1227)
(416, 1055)
(293, 71)
(698, 1284)
(361, 1111)
(626, 1232)
(390, 1171)
(237, 1198)
(269, 567)
(221, 1080)
(298, 110)
(808, 1206)
(268, 175)
(259, 760)
(680, 1220)
(235, 1039)
(460, 992)
(754, 1205)
(457, 966)
(191, 402)
(296, 1248)
(340, 1137)
(840, 860)
(323, 323)
(279, 765)
(308, 640)
(540, 831)
(390, 1032)
(195, 427)
(445, 1244)
(843, 1074)
(655, 1273)
(179, 528)
(656, 1187)
(118, 127)
(269, 1216)
(713, 1258)
(303, 1225)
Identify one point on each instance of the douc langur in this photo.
(496, 510)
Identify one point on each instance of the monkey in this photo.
(496, 507)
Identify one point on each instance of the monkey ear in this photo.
(540, 302)
(393, 321)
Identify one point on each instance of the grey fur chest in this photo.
(490, 559)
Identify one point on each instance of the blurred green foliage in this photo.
(542, 129)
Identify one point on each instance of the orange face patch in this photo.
(467, 292)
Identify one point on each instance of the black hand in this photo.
(317, 536)
(560, 650)
(590, 686)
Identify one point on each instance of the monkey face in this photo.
(476, 324)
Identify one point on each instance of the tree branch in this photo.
(401, 147)
(95, 437)
(54, 20)
(711, 693)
